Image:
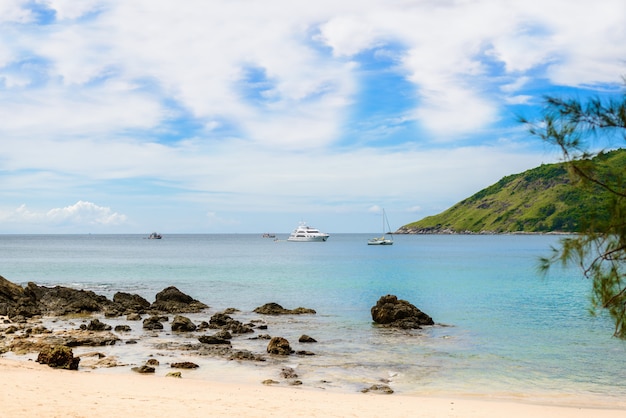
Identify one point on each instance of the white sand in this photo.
(28, 389)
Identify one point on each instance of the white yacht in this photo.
(305, 233)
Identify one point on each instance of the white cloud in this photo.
(81, 213)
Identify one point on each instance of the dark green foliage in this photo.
(600, 247)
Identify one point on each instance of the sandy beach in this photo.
(30, 389)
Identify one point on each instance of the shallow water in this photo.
(502, 329)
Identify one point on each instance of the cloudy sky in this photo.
(210, 116)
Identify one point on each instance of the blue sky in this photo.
(212, 116)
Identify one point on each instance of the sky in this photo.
(240, 116)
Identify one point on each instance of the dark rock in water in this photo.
(225, 322)
(393, 312)
(304, 353)
(133, 317)
(61, 300)
(122, 328)
(185, 365)
(246, 355)
(288, 373)
(182, 324)
(384, 389)
(96, 325)
(280, 346)
(306, 339)
(130, 303)
(144, 369)
(152, 362)
(173, 300)
(273, 308)
(152, 323)
(212, 339)
(76, 338)
(60, 357)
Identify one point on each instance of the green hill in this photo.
(540, 200)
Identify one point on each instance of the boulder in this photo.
(130, 303)
(273, 308)
(185, 365)
(280, 346)
(222, 321)
(152, 323)
(173, 300)
(60, 357)
(60, 300)
(306, 339)
(393, 312)
(96, 325)
(182, 324)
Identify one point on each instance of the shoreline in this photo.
(29, 389)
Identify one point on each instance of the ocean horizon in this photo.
(502, 328)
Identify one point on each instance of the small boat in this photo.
(266, 235)
(154, 235)
(386, 238)
(305, 233)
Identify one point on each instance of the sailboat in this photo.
(386, 238)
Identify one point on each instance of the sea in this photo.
(503, 330)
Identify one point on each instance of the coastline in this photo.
(31, 389)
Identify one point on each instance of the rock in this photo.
(10, 294)
(384, 389)
(304, 353)
(130, 303)
(152, 323)
(143, 369)
(185, 365)
(96, 325)
(273, 308)
(393, 312)
(152, 362)
(280, 346)
(59, 300)
(60, 357)
(225, 322)
(270, 382)
(288, 373)
(182, 324)
(122, 328)
(212, 339)
(133, 317)
(306, 339)
(173, 300)
(246, 355)
(177, 375)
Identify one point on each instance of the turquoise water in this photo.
(502, 329)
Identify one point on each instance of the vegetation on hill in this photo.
(539, 200)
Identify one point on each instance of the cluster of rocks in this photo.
(19, 304)
(34, 300)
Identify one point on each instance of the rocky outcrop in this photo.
(393, 312)
(182, 324)
(130, 303)
(59, 300)
(172, 300)
(225, 322)
(273, 308)
(18, 302)
(60, 357)
(153, 323)
(280, 346)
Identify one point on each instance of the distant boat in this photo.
(266, 235)
(154, 235)
(386, 238)
(305, 233)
